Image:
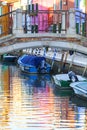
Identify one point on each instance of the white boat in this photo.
(80, 88)
(63, 81)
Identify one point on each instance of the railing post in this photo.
(72, 25)
(63, 23)
(17, 22)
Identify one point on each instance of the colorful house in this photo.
(5, 17)
(40, 14)
(80, 7)
(42, 20)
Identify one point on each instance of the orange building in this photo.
(6, 17)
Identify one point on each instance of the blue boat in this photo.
(34, 64)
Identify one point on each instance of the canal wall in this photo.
(64, 67)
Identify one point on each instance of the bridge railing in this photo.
(43, 21)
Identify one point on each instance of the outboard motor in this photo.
(72, 76)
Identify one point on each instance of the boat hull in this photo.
(62, 92)
(32, 69)
(62, 84)
(9, 58)
(62, 81)
(80, 88)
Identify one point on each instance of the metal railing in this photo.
(54, 21)
(45, 21)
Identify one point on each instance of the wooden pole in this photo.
(71, 63)
(65, 60)
(61, 62)
(84, 70)
(53, 59)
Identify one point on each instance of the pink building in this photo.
(41, 19)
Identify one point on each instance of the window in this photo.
(0, 29)
(60, 4)
(0, 10)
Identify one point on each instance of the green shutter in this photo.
(77, 28)
(32, 7)
(59, 27)
(77, 4)
(36, 8)
(83, 29)
(28, 8)
(32, 29)
(54, 28)
(36, 28)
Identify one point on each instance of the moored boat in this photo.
(63, 81)
(10, 58)
(34, 64)
(62, 93)
(80, 88)
(80, 102)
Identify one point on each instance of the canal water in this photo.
(32, 102)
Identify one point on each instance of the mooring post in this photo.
(84, 70)
(61, 62)
(71, 63)
(65, 60)
(53, 59)
(1, 57)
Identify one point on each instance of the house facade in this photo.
(41, 15)
(6, 17)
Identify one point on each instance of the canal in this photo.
(32, 102)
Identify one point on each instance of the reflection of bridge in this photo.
(67, 39)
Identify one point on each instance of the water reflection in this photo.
(4, 96)
(30, 102)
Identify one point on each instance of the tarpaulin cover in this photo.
(32, 60)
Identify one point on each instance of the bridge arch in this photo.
(64, 45)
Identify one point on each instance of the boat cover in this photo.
(32, 60)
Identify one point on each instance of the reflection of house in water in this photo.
(68, 115)
(63, 110)
(4, 96)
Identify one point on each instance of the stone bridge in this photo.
(19, 40)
